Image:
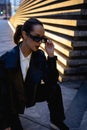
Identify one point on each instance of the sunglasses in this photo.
(38, 39)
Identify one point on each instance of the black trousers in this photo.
(15, 122)
(52, 94)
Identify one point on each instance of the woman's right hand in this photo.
(8, 128)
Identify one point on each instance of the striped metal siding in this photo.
(65, 22)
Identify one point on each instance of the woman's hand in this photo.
(49, 47)
(8, 128)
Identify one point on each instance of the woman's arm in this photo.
(50, 71)
(4, 99)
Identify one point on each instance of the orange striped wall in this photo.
(65, 22)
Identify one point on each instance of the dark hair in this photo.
(27, 27)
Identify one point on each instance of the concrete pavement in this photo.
(74, 96)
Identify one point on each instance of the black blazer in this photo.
(16, 93)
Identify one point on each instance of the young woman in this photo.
(27, 77)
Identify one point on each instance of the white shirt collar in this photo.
(24, 63)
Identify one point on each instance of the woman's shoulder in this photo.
(39, 55)
(40, 52)
(9, 55)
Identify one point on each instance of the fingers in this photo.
(49, 47)
(49, 42)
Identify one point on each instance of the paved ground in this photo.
(74, 96)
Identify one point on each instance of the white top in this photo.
(24, 62)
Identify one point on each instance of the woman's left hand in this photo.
(49, 47)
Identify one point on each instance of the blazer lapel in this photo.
(13, 66)
(34, 72)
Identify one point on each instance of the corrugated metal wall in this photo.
(65, 22)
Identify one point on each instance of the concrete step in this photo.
(77, 108)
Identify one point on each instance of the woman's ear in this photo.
(24, 35)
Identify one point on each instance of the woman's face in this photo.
(33, 40)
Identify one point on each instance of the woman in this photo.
(27, 77)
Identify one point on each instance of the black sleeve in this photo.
(4, 99)
(50, 70)
(53, 72)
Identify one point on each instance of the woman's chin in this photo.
(36, 48)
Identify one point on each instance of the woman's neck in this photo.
(25, 50)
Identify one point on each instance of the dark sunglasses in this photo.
(38, 39)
